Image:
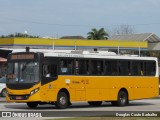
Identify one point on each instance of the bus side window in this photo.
(67, 66)
(153, 68)
(138, 68)
(49, 70)
(149, 68)
(141, 68)
(82, 67)
(108, 68)
(97, 67)
(124, 68)
(111, 67)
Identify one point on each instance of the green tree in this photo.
(95, 34)
(21, 35)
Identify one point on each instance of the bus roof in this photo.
(95, 54)
(84, 54)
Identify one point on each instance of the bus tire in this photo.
(95, 103)
(32, 104)
(62, 100)
(122, 99)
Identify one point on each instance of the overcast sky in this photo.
(77, 17)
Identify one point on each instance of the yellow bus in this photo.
(61, 77)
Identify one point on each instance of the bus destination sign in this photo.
(22, 56)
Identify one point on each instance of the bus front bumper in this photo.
(23, 98)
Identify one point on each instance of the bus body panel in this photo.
(82, 88)
(107, 88)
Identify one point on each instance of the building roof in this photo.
(154, 46)
(150, 37)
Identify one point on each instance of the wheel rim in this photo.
(122, 99)
(63, 100)
(4, 93)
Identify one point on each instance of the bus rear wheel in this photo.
(95, 103)
(32, 104)
(122, 99)
(62, 101)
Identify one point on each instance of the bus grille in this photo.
(18, 97)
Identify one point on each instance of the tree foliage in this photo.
(95, 34)
(22, 35)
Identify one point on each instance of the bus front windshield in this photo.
(23, 72)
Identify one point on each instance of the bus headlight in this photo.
(34, 91)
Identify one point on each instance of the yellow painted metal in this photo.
(6, 41)
(102, 43)
(32, 41)
(93, 88)
(72, 43)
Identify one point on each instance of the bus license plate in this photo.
(18, 97)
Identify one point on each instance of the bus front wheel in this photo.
(32, 104)
(4, 92)
(95, 103)
(62, 101)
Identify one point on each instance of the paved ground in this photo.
(83, 109)
(136, 105)
(2, 99)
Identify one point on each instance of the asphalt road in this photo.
(83, 109)
(2, 99)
